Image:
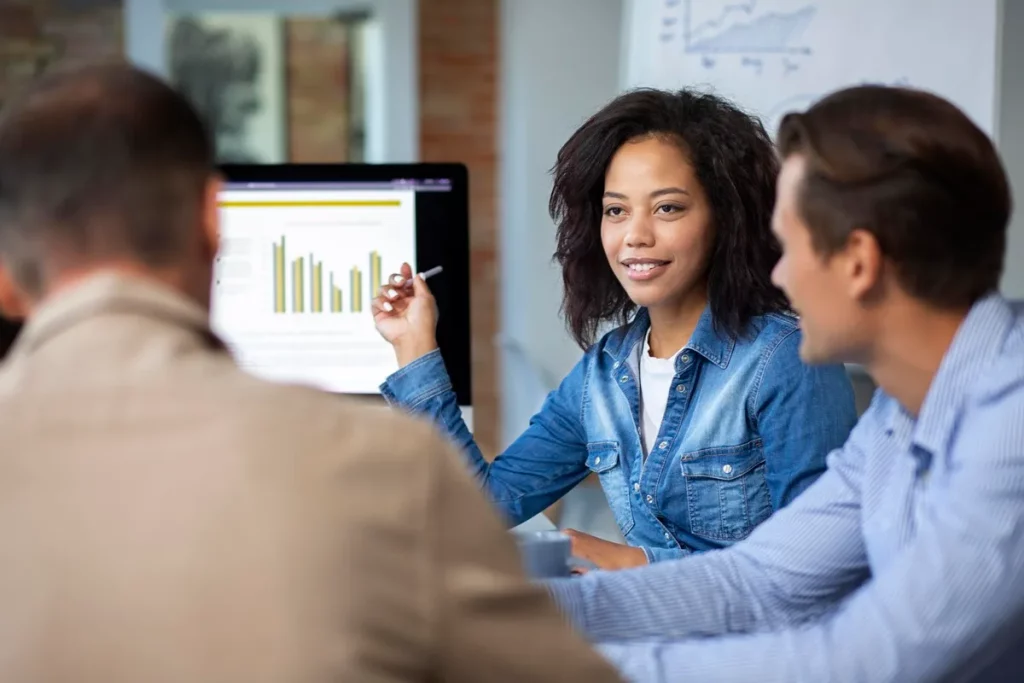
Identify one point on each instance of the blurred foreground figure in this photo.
(904, 562)
(165, 516)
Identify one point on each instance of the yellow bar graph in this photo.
(279, 298)
(335, 297)
(298, 286)
(308, 288)
(316, 285)
(356, 289)
(375, 274)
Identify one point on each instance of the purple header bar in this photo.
(399, 184)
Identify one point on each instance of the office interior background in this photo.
(496, 84)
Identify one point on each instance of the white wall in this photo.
(1011, 137)
(559, 64)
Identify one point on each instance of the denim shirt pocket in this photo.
(726, 490)
(603, 459)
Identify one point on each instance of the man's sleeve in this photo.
(948, 605)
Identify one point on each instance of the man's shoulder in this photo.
(297, 407)
(345, 429)
(990, 423)
(1005, 372)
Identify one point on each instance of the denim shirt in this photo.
(746, 428)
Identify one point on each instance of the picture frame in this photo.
(231, 66)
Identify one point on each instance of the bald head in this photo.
(100, 164)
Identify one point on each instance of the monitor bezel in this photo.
(446, 245)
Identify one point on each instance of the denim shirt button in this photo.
(624, 379)
(727, 469)
(636, 487)
(663, 445)
(668, 536)
(650, 499)
(680, 388)
(597, 461)
(686, 358)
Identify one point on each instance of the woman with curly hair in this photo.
(695, 411)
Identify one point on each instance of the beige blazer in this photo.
(165, 517)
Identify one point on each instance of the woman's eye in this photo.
(613, 211)
(669, 208)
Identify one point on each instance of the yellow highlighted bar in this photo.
(311, 203)
(335, 297)
(297, 286)
(279, 277)
(356, 289)
(375, 274)
(317, 277)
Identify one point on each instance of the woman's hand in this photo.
(405, 314)
(605, 554)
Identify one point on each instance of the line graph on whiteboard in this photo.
(740, 28)
(752, 30)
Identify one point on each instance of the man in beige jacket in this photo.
(166, 517)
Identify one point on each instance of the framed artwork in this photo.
(231, 66)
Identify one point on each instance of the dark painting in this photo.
(231, 74)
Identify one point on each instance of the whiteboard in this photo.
(776, 56)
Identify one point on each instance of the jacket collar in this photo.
(111, 293)
(715, 346)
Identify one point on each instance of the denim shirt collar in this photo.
(716, 347)
(977, 341)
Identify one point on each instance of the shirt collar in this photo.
(715, 346)
(976, 343)
(105, 293)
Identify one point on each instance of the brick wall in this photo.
(35, 34)
(317, 82)
(458, 122)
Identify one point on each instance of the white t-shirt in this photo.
(656, 375)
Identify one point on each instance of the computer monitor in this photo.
(304, 248)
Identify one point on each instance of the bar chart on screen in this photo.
(304, 285)
(294, 281)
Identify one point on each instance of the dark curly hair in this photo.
(734, 161)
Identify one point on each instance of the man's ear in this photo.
(863, 263)
(211, 214)
(13, 303)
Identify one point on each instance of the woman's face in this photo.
(656, 226)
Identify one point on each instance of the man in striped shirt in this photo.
(905, 561)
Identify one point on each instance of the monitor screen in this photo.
(303, 251)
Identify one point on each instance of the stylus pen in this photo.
(426, 275)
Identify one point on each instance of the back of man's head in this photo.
(101, 164)
(913, 170)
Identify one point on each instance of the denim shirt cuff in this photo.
(418, 382)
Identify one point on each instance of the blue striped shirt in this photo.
(903, 562)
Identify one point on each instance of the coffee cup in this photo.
(545, 554)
